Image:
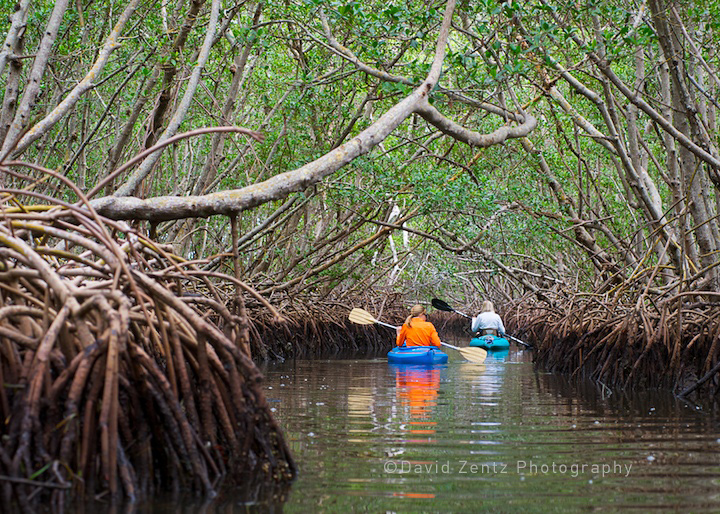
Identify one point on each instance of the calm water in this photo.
(500, 436)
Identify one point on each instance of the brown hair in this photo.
(487, 306)
(417, 310)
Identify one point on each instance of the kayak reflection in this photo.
(498, 355)
(417, 391)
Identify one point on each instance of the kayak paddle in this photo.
(443, 306)
(363, 317)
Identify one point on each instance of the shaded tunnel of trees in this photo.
(191, 188)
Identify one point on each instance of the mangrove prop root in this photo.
(113, 383)
(665, 343)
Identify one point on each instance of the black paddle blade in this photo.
(441, 306)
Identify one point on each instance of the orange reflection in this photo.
(417, 388)
(417, 396)
(415, 495)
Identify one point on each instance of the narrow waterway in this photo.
(500, 436)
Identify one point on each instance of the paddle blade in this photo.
(441, 306)
(361, 317)
(475, 355)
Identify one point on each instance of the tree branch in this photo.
(32, 90)
(84, 85)
(233, 201)
(146, 167)
(460, 133)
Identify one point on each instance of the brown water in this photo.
(500, 436)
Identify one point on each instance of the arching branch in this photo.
(278, 187)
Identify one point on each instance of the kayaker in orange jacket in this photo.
(417, 331)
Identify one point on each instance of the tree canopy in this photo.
(478, 147)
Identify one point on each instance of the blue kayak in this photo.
(416, 355)
(490, 342)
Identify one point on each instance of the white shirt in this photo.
(488, 320)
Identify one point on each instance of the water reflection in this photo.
(249, 496)
(463, 437)
(485, 381)
(417, 390)
(498, 355)
(497, 436)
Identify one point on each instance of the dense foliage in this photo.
(613, 191)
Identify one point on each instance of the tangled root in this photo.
(123, 372)
(659, 343)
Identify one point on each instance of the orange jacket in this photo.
(421, 333)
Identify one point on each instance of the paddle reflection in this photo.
(470, 370)
(417, 390)
(485, 380)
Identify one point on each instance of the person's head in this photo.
(415, 312)
(487, 306)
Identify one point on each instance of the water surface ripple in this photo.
(461, 437)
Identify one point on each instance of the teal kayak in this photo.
(416, 355)
(490, 342)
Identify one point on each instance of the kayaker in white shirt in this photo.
(488, 321)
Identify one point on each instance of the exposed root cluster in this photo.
(670, 343)
(123, 372)
(317, 328)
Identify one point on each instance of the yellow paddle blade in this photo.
(471, 353)
(476, 355)
(361, 317)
